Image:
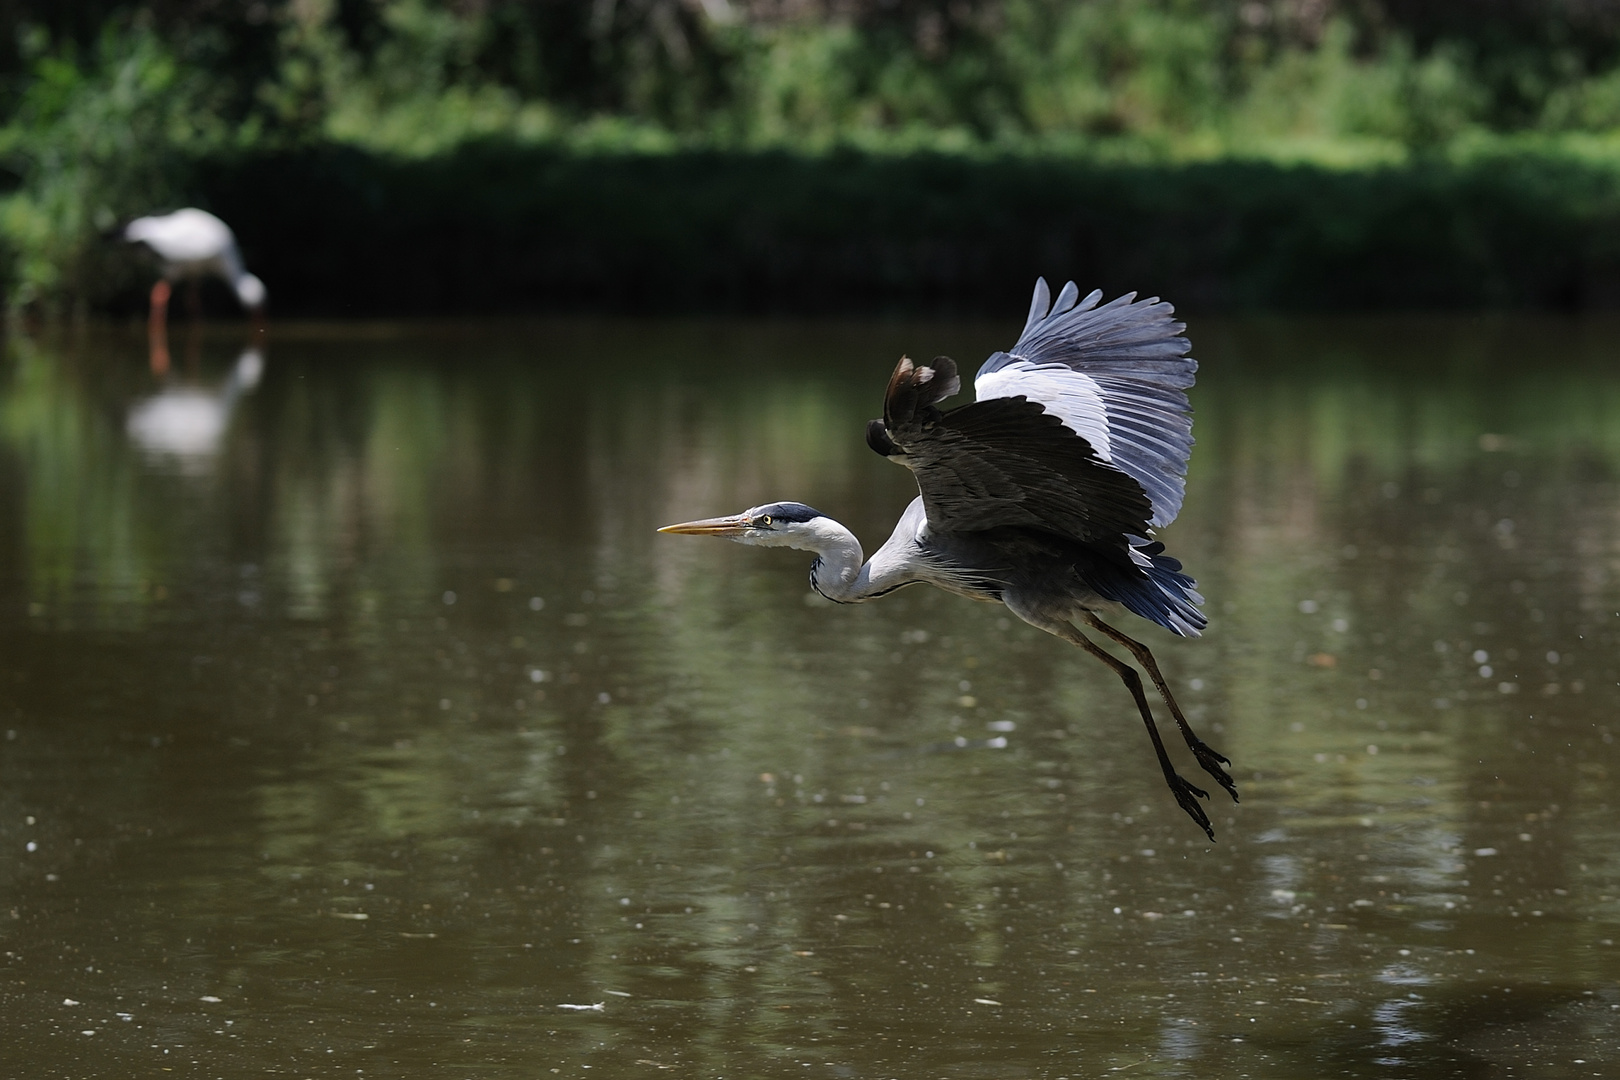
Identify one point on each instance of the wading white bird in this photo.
(187, 424)
(1042, 495)
(193, 244)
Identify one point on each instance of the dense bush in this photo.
(492, 227)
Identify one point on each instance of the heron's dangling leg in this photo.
(1179, 787)
(157, 330)
(1208, 757)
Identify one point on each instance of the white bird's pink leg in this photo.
(157, 328)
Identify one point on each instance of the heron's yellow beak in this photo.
(735, 525)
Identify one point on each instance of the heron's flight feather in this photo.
(916, 388)
(1115, 374)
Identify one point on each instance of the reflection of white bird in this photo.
(189, 422)
(195, 244)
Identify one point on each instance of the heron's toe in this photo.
(1187, 796)
(1211, 761)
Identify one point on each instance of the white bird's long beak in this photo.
(734, 525)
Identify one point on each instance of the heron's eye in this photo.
(765, 520)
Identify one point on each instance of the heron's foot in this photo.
(1184, 793)
(1212, 760)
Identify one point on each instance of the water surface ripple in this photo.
(357, 723)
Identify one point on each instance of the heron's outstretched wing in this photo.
(1116, 375)
(1006, 461)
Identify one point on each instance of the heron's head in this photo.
(251, 291)
(778, 524)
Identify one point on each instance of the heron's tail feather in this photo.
(1160, 593)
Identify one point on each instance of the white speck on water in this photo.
(1341, 625)
(536, 675)
(1308, 607)
(210, 998)
(1480, 656)
(1002, 725)
(1484, 852)
(600, 1006)
(535, 603)
(31, 846)
(1196, 684)
(69, 1001)
(985, 1001)
(449, 597)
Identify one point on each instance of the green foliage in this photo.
(117, 106)
(94, 141)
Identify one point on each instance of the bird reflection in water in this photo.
(186, 424)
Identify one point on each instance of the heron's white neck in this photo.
(841, 572)
(836, 572)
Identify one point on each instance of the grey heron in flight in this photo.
(1043, 494)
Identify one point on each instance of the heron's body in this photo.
(1043, 494)
(1008, 564)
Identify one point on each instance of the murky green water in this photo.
(357, 723)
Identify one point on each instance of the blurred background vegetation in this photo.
(394, 156)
